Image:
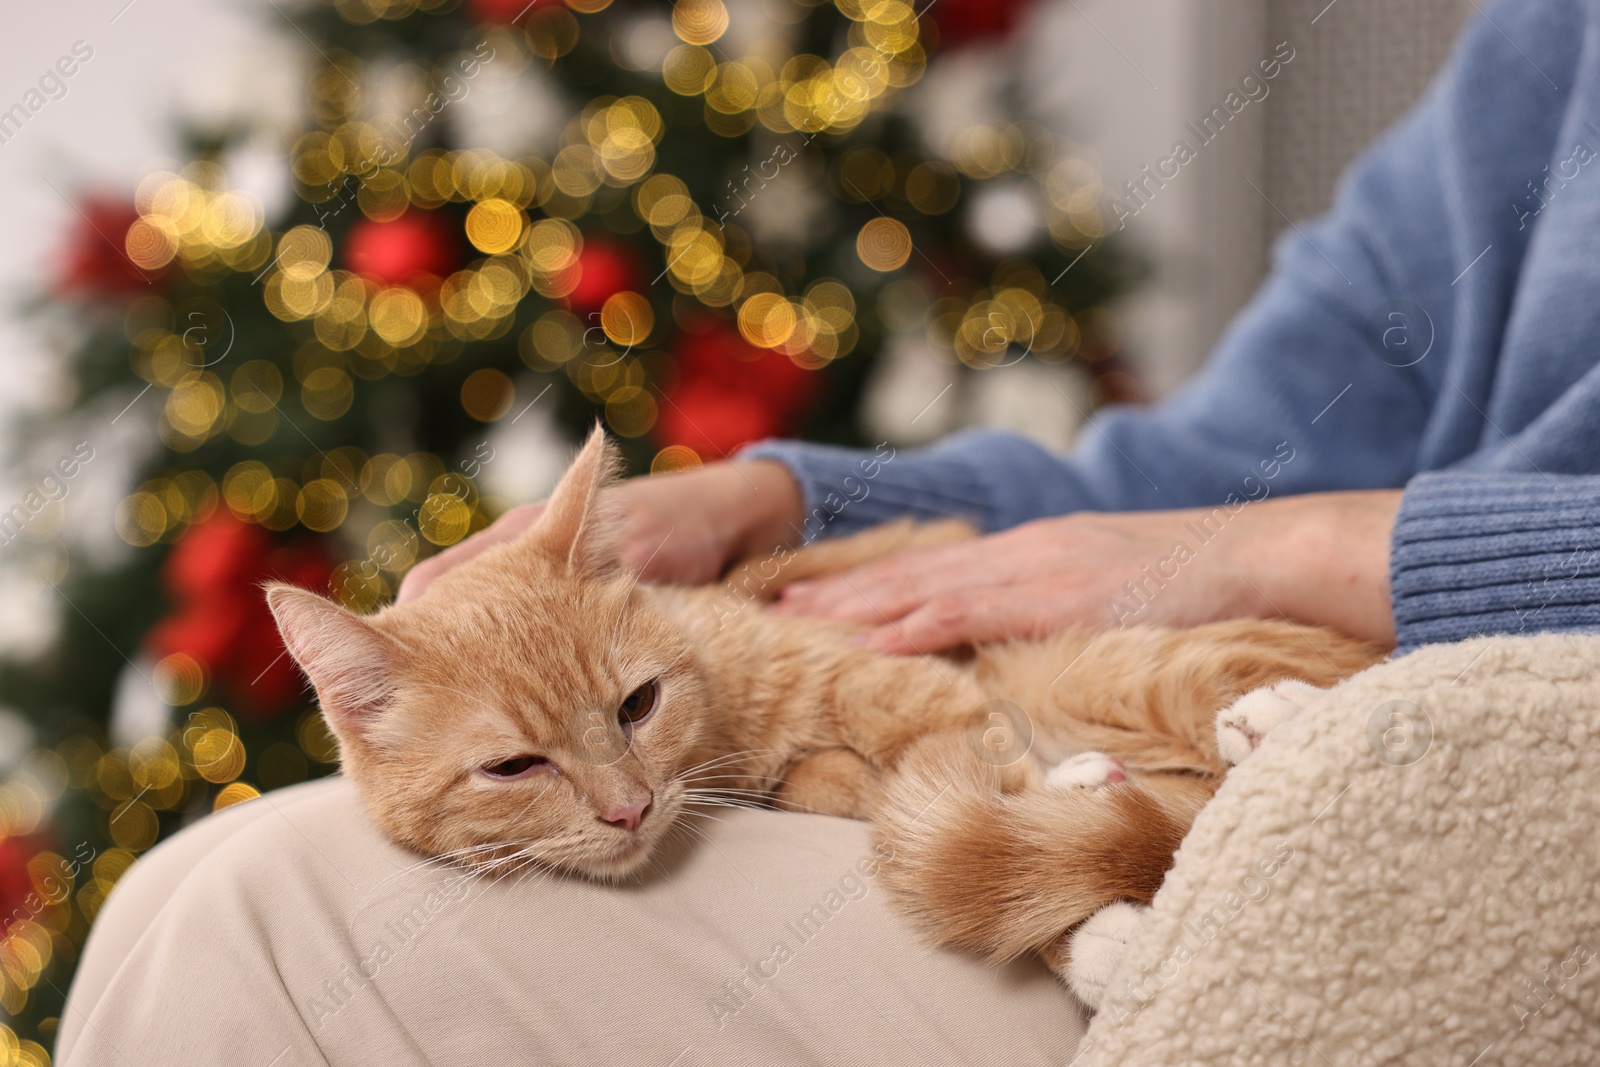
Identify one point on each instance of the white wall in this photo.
(1129, 76)
(113, 126)
(1131, 73)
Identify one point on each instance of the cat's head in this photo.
(534, 705)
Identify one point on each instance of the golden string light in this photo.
(191, 217)
(675, 458)
(884, 244)
(627, 319)
(486, 394)
(495, 225)
(699, 22)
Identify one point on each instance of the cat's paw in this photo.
(1242, 725)
(1094, 949)
(1086, 770)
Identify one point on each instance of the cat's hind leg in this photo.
(1243, 724)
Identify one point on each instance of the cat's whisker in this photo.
(700, 783)
(502, 876)
(726, 760)
(531, 866)
(691, 828)
(740, 754)
(710, 802)
(713, 774)
(693, 831)
(505, 864)
(724, 789)
(703, 787)
(711, 790)
(472, 850)
(532, 849)
(455, 857)
(727, 784)
(730, 802)
(753, 803)
(704, 815)
(455, 854)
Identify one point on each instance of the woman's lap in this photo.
(288, 932)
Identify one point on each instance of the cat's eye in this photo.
(638, 705)
(514, 767)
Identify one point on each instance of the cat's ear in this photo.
(580, 524)
(351, 663)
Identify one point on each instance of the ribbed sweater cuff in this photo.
(1494, 553)
(847, 490)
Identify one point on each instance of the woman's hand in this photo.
(1321, 558)
(683, 528)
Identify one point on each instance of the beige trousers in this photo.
(287, 932)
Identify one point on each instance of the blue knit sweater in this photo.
(1438, 329)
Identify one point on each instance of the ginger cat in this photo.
(538, 706)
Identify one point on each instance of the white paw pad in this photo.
(1086, 770)
(1242, 725)
(1096, 947)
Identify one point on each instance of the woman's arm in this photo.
(1459, 554)
(1320, 558)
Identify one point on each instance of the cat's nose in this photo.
(630, 814)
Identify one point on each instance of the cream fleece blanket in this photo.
(1406, 872)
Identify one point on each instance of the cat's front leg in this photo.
(880, 706)
(834, 781)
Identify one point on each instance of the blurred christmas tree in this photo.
(702, 225)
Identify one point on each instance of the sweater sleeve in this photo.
(1330, 377)
(1477, 553)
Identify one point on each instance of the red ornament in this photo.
(95, 262)
(16, 884)
(964, 21)
(418, 248)
(730, 392)
(505, 12)
(214, 575)
(604, 267)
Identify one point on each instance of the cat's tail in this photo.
(982, 863)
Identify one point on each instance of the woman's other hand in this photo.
(683, 528)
